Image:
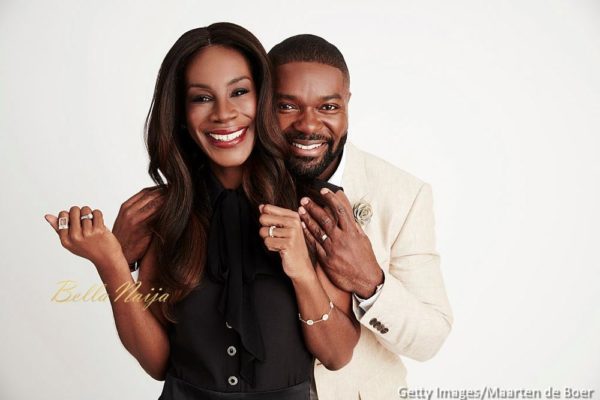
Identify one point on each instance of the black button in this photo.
(385, 330)
(373, 321)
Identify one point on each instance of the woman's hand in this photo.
(87, 238)
(282, 231)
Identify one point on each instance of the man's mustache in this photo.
(296, 135)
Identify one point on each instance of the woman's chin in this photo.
(230, 164)
(232, 160)
(231, 157)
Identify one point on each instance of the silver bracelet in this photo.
(325, 316)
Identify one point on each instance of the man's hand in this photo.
(343, 249)
(132, 227)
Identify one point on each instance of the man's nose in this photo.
(307, 122)
(224, 111)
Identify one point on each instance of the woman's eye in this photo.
(239, 92)
(201, 99)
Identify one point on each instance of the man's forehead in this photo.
(316, 78)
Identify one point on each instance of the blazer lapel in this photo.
(356, 185)
(354, 177)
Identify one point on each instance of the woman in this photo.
(238, 319)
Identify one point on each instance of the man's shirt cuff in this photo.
(361, 306)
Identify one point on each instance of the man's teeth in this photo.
(309, 147)
(227, 138)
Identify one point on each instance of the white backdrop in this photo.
(495, 103)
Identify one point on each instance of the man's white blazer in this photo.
(412, 316)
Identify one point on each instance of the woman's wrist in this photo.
(307, 277)
(110, 264)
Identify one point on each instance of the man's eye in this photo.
(239, 92)
(329, 107)
(285, 106)
(201, 99)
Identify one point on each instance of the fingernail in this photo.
(325, 190)
(301, 210)
(304, 201)
(260, 207)
(303, 224)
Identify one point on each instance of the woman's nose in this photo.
(224, 111)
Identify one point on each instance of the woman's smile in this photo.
(227, 138)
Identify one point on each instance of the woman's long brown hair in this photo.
(182, 222)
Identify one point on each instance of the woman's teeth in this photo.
(309, 147)
(227, 138)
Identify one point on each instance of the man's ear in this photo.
(349, 95)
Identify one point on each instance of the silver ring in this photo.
(324, 237)
(63, 223)
(87, 216)
(271, 228)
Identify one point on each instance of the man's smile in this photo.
(308, 148)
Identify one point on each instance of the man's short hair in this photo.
(309, 48)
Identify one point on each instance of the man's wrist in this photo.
(370, 288)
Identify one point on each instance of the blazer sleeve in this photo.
(411, 316)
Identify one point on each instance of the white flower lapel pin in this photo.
(362, 212)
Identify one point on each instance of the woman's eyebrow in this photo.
(206, 86)
(236, 80)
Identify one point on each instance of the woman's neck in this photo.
(230, 177)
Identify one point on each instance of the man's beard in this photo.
(308, 168)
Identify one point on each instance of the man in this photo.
(387, 259)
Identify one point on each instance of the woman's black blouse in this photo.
(238, 331)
